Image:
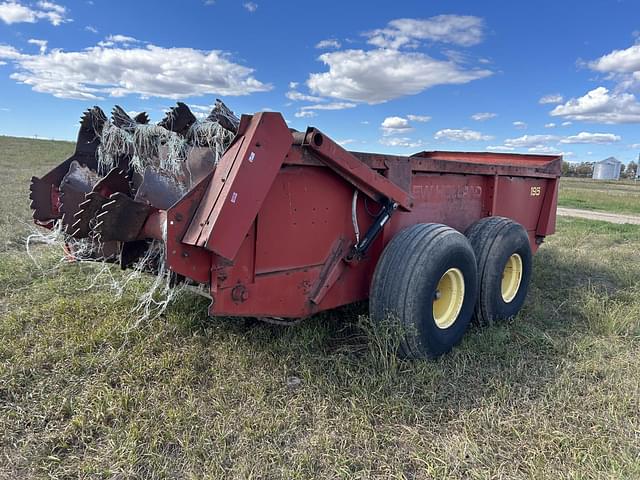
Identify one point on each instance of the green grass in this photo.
(607, 196)
(555, 393)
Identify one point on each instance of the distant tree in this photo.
(584, 169)
(632, 170)
(566, 169)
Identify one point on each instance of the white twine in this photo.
(146, 145)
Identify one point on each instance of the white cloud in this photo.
(198, 108)
(346, 141)
(542, 143)
(526, 141)
(619, 61)
(460, 135)
(464, 30)
(329, 43)
(9, 53)
(149, 71)
(377, 76)
(403, 142)
(397, 123)
(392, 125)
(329, 106)
(42, 44)
(15, 12)
(551, 98)
(622, 66)
(11, 12)
(566, 124)
(112, 40)
(310, 110)
(382, 74)
(419, 118)
(482, 116)
(91, 29)
(122, 39)
(601, 106)
(587, 137)
(549, 125)
(499, 148)
(545, 149)
(46, 5)
(520, 125)
(301, 97)
(250, 6)
(293, 85)
(305, 114)
(634, 146)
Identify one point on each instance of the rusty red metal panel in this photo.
(196, 228)
(302, 216)
(242, 270)
(455, 200)
(520, 199)
(243, 178)
(399, 172)
(481, 163)
(286, 294)
(188, 260)
(547, 221)
(548, 163)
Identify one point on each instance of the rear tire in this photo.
(504, 259)
(426, 279)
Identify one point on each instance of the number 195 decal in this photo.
(535, 191)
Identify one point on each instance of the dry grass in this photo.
(553, 394)
(608, 196)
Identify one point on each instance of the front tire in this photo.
(426, 279)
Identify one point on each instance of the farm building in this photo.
(607, 169)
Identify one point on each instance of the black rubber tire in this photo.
(494, 240)
(404, 286)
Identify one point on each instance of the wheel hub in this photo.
(448, 298)
(511, 278)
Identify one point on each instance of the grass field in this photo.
(606, 196)
(85, 392)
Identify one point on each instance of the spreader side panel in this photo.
(307, 210)
(521, 199)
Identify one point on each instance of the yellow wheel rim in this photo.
(511, 278)
(448, 298)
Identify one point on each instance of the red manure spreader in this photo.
(285, 224)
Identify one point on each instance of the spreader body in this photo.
(278, 224)
(272, 229)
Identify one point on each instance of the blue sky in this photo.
(397, 77)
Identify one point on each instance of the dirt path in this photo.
(604, 216)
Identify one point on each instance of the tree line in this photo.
(585, 169)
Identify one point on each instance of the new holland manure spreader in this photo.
(277, 223)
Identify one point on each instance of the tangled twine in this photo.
(146, 146)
